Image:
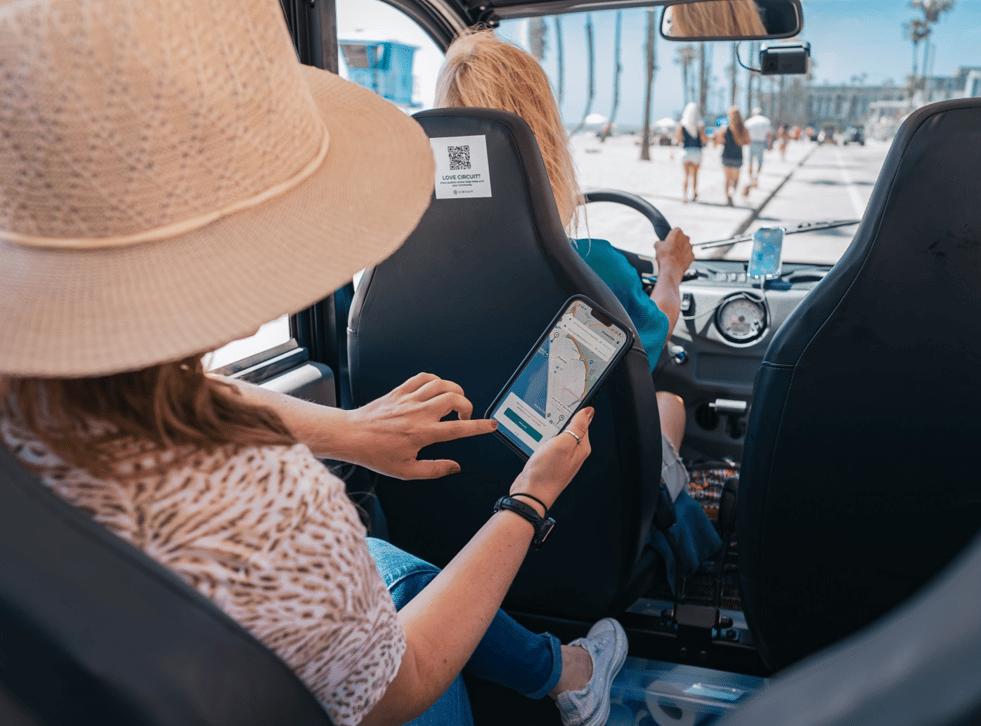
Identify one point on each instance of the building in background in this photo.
(880, 108)
(382, 66)
(847, 105)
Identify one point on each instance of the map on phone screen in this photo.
(556, 380)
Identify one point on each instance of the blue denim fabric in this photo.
(695, 539)
(508, 654)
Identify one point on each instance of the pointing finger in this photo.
(431, 469)
(450, 430)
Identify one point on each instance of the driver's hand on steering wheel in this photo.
(674, 254)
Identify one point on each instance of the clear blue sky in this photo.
(848, 38)
(883, 50)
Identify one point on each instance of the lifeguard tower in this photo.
(384, 67)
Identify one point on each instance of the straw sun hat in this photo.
(171, 178)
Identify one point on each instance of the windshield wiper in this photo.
(803, 227)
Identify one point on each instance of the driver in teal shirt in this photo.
(483, 71)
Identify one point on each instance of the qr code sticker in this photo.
(459, 157)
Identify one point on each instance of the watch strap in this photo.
(543, 525)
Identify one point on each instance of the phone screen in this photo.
(764, 260)
(559, 376)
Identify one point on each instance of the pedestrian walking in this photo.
(691, 135)
(733, 137)
(783, 136)
(759, 128)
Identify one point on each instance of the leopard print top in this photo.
(270, 536)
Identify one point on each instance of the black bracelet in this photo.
(532, 498)
(542, 525)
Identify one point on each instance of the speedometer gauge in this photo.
(741, 319)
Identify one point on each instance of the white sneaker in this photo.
(606, 643)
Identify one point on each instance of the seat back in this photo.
(858, 481)
(466, 297)
(92, 631)
(918, 666)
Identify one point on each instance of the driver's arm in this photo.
(674, 256)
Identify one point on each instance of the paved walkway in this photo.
(616, 164)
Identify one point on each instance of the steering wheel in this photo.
(661, 226)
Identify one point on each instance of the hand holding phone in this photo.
(559, 375)
(550, 469)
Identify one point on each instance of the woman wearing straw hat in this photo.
(171, 178)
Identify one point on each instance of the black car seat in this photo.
(92, 631)
(918, 666)
(858, 480)
(466, 297)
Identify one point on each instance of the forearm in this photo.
(667, 295)
(386, 434)
(446, 621)
(326, 430)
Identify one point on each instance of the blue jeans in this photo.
(508, 654)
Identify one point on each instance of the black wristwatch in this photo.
(543, 525)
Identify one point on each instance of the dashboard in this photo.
(727, 321)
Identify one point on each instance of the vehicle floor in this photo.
(650, 628)
(652, 636)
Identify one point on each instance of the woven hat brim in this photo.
(79, 313)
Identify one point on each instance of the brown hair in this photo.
(484, 71)
(716, 18)
(169, 405)
(739, 130)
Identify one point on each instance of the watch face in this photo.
(543, 531)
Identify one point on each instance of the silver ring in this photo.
(573, 435)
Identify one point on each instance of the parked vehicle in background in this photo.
(827, 135)
(854, 135)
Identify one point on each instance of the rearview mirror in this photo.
(732, 20)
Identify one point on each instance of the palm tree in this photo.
(751, 77)
(617, 70)
(537, 31)
(686, 56)
(704, 76)
(916, 30)
(591, 88)
(733, 85)
(645, 144)
(781, 100)
(932, 10)
(560, 70)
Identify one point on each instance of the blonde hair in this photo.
(165, 406)
(715, 18)
(690, 120)
(484, 71)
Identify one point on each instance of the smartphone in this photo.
(765, 259)
(560, 374)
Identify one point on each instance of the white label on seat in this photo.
(461, 167)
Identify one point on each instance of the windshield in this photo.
(822, 140)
